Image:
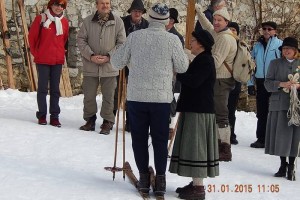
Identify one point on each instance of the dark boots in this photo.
(143, 184)
(291, 172)
(193, 192)
(225, 152)
(90, 124)
(282, 170)
(181, 189)
(160, 185)
(106, 127)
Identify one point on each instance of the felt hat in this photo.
(204, 38)
(290, 42)
(174, 14)
(137, 5)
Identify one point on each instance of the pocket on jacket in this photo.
(275, 97)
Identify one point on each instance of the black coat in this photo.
(128, 26)
(197, 92)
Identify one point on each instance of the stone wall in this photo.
(243, 11)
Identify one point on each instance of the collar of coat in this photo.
(96, 19)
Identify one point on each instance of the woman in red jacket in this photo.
(47, 38)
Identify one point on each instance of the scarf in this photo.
(56, 20)
(103, 18)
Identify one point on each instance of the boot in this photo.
(143, 184)
(181, 189)
(90, 124)
(225, 153)
(106, 127)
(194, 192)
(282, 170)
(291, 172)
(55, 122)
(42, 120)
(160, 185)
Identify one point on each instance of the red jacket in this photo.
(47, 47)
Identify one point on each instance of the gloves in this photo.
(199, 8)
(251, 90)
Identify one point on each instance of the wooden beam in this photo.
(190, 22)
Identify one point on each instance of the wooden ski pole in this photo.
(174, 134)
(6, 45)
(114, 168)
(1, 84)
(124, 90)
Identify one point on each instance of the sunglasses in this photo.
(59, 4)
(269, 29)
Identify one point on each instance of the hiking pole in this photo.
(174, 134)
(124, 89)
(114, 168)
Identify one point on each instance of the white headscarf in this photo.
(56, 20)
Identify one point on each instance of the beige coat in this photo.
(100, 40)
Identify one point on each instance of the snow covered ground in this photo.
(48, 163)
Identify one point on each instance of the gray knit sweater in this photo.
(151, 55)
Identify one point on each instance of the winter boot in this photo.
(282, 170)
(106, 127)
(160, 185)
(55, 122)
(42, 120)
(194, 192)
(90, 124)
(181, 189)
(291, 172)
(143, 184)
(225, 147)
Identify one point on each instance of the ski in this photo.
(6, 45)
(152, 182)
(129, 173)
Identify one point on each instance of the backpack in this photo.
(243, 65)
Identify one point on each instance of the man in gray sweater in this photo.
(151, 55)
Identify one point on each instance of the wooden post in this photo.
(6, 43)
(190, 22)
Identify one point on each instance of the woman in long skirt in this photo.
(195, 152)
(283, 139)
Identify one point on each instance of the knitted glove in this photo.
(199, 8)
(251, 90)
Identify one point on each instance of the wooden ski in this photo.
(31, 65)
(1, 84)
(152, 182)
(6, 45)
(129, 173)
(65, 84)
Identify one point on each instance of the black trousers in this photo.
(232, 105)
(48, 74)
(156, 117)
(262, 108)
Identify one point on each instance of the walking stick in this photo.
(174, 134)
(114, 168)
(124, 91)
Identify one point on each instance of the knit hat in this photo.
(235, 26)
(137, 5)
(223, 13)
(174, 14)
(204, 38)
(62, 2)
(159, 12)
(269, 23)
(290, 42)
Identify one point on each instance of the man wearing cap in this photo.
(149, 95)
(265, 50)
(132, 22)
(214, 6)
(224, 50)
(99, 36)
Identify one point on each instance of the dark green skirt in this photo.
(195, 152)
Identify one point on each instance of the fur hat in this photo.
(235, 26)
(290, 42)
(223, 12)
(269, 23)
(174, 14)
(63, 2)
(159, 12)
(204, 38)
(137, 5)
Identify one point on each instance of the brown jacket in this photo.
(104, 40)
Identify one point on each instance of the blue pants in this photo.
(48, 74)
(156, 117)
